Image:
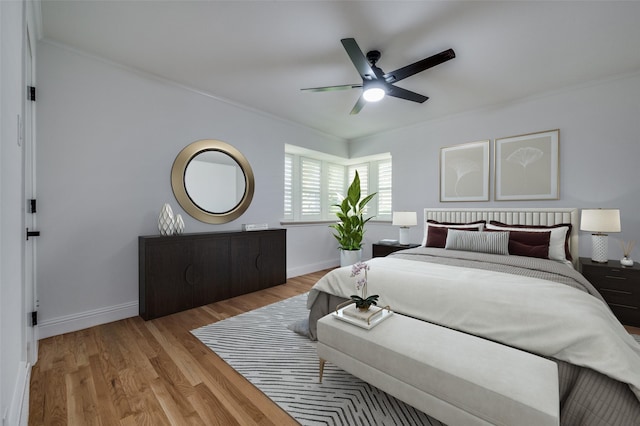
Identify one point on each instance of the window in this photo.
(314, 182)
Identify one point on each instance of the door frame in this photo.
(30, 300)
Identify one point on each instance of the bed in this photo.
(535, 301)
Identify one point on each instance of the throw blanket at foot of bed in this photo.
(531, 314)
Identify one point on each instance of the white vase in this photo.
(178, 225)
(626, 261)
(165, 220)
(350, 257)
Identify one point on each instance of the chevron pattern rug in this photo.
(284, 366)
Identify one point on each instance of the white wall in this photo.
(599, 153)
(107, 140)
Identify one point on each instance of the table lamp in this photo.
(404, 220)
(600, 222)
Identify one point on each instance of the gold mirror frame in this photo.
(180, 191)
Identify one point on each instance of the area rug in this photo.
(284, 366)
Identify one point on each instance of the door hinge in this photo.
(32, 234)
(31, 205)
(34, 318)
(31, 93)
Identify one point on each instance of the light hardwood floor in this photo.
(133, 372)
(136, 372)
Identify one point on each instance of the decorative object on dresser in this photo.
(178, 225)
(350, 226)
(382, 249)
(166, 224)
(255, 226)
(627, 248)
(619, 286)
(404, 220)
(600, 222)
(182, 272)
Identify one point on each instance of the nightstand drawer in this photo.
(621, 297)
(610, 274)
(629, 315)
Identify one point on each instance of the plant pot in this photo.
(364, 308)
(349, 257)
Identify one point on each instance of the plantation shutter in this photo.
(335, 187)
(310, 178)
(288, 186)
(384, 188)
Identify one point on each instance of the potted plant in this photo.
(350, 226)
(364, 302)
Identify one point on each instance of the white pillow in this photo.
(483, 242)
(556, 242)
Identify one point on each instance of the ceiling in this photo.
(259, 54)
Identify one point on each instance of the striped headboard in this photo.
(513, 216)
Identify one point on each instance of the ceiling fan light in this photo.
(373, 94)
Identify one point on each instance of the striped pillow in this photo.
(484, 242)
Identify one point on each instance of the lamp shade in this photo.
(600, 220)
(405, 219)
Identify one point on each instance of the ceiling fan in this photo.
(375, 83)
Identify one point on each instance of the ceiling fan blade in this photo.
(358, 58)
(358, 106)
(416, 67)
(399, 92)
(333, 88)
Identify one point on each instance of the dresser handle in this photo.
(188, 272)
(623, 306)
(610, 290)
(615, 278)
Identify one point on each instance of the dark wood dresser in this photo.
(619, 285)
(185, 271)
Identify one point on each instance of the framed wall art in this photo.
(464, 172)
(527, 167)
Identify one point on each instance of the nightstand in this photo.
(619, 285)
(381, 250)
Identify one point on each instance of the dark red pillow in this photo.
(437, 235)
(531, 244)
(560, 225)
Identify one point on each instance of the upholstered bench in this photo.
(455, 377)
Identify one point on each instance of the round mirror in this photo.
(212, 181)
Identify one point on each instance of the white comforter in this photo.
(532, 314)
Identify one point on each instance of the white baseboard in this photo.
(18, 412)
(314, 267)
(81, 320)
(74, 322)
